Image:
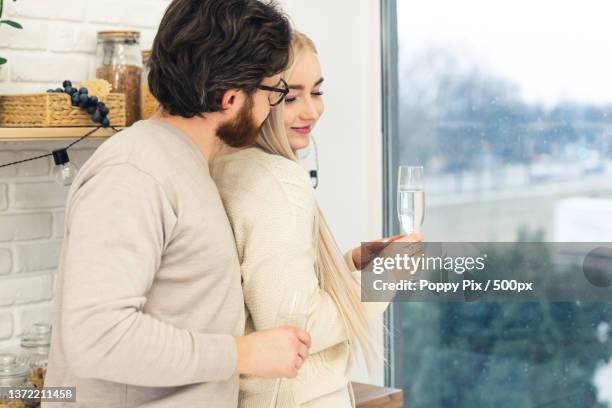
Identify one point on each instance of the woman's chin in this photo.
(297, 141)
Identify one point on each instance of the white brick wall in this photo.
(58, 42)
(31, 231)
(59, 38)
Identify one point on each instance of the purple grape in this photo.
(97, 117)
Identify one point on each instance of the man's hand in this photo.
(273, 353)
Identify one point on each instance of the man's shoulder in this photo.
(152, 147)
(121, 146)
(148, 140)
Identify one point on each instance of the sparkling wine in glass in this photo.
(291, 312)
(410, 198)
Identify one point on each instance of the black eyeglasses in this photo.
(276, 95)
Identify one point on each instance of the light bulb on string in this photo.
(64, 171)
(309, 159)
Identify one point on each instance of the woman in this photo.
(284, 243)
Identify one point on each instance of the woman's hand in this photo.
(363, 254)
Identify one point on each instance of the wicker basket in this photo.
(54, 109)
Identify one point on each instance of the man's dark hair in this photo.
(205, 47)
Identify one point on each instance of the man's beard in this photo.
(241, 131)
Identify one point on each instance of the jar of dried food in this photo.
(148, 103)
(119, 62)
(35, 346)
(13, 381)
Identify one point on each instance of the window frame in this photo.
(390, 160)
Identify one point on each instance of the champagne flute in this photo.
(410, 198)
(292, 311)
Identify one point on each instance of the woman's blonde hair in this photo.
(332, 272)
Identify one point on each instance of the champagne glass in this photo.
(410, 198)
(292, 311)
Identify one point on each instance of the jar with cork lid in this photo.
(148, 103)
(119, 62)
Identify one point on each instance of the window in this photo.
(508, 106)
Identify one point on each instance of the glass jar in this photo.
(148, 103)
(119, 62)
(13, 374)
(35, 345)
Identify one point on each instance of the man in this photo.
(148, 306)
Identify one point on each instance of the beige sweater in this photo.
(271, 206)
(148, 295)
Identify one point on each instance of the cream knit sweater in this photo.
(271, 207)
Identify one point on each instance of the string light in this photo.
(303, 154)
(314, 174)
(64, 171)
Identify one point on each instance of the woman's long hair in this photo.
(334, 275)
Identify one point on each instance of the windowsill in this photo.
(371, 396)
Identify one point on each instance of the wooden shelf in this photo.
(371, 396)
(52, 133)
